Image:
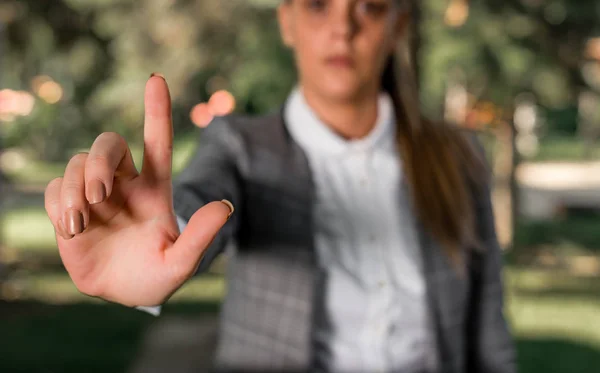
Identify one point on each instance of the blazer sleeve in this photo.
(211, 175)
(491, 347)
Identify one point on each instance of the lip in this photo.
(340, 60)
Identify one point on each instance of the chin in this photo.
(340, 89)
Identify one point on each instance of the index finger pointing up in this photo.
(158, 129)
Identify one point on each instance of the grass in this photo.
(551, 355)
(555, 318)
(78, 337)
(49, 326)
(57, 288)
(563, 238)
(27, 230)
(544, 303)
(46, 325)
(555, 333)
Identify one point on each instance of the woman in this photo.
(365, 238)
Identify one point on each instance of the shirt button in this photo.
(416, 344)
(392, 329)
(381, 284)
(371, 238)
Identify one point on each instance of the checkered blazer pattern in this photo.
(273, 300)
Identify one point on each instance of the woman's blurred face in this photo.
(341, 46)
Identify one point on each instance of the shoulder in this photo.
(251, 123)
(248, 127)
(474, 137)
(471, 153)
(241, 136)
(466, 142)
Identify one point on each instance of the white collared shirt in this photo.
(366, 242)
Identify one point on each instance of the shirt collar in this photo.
(312, 134)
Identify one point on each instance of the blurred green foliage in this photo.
(509, 47)
(101, 52)
(552, 328)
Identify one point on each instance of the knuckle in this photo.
(86, 283)
(180, 273)
(112, 138)
(99, 161)
(107, 151)
(73, 192)
(79, 158)
(52, 186)
(72, 185)
(52, 194)
(87, 287)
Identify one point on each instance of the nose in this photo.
(343, 21)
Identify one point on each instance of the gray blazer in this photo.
(273, 278)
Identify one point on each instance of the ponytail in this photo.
(440, 163)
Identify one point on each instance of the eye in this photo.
(372, 8)
(316, 5)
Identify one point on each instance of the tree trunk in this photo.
(505, 192)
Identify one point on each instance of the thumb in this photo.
(187, 251)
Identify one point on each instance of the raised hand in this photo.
(116, 229)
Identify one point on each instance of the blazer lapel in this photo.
(447, 296)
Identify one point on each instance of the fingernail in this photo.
(63, 231)
(158, 74)
(230, 205)
(97, 191)
(74, 220)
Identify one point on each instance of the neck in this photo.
(350, 119)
